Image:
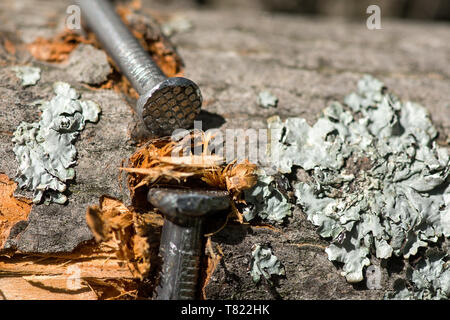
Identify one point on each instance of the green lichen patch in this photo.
(45, 150)
(265, 264)
(267, 100)
(429, 280)
(29, 75)
(266, 200)
(379, 182)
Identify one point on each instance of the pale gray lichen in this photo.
(265, 264)
(379, 181)
(294, 142)
(266, 200)
(176, 24)
(429, 280)
(267, 100)
(29, 75)
(45, 150)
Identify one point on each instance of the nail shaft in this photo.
(182, 237)
(121, 45)
(180, 250)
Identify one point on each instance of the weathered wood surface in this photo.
(231, 55)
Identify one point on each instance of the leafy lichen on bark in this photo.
(378, 178)
(429, 280)
(265, 264)
(45, 150)
(29, 75)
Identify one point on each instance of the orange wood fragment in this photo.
(12, 209)
(9, 46)
(59, 47)
(211, 262)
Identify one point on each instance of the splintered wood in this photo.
(135, 236)
(211, 261)
(164, 162)
(92, 271)
(70, 276)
